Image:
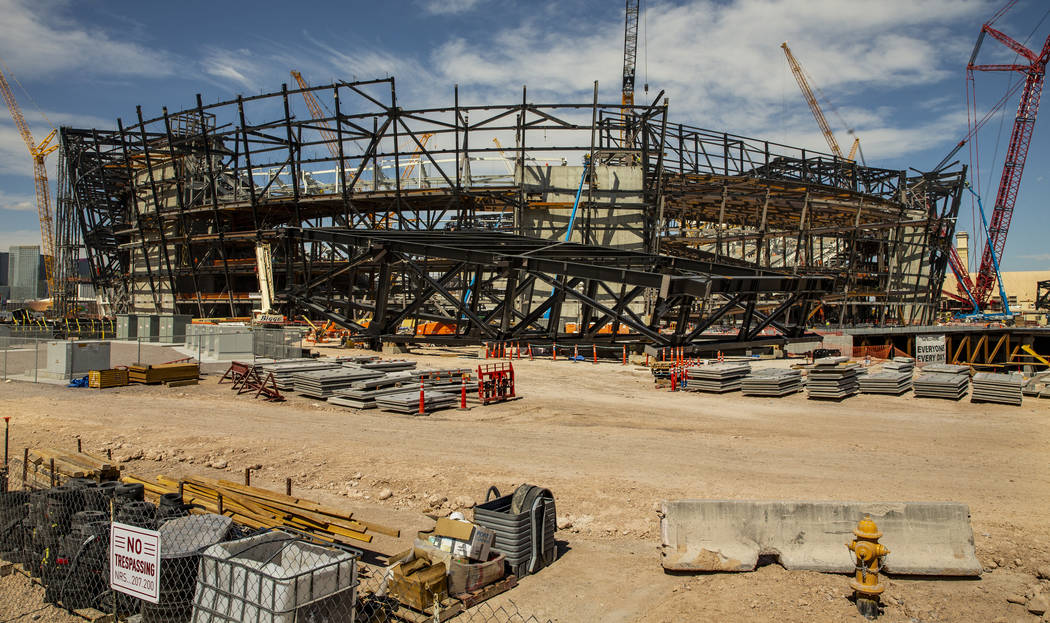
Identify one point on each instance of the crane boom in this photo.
(630, 50)
(811, 99)
(1016, 152)
(38, 151)
(330, 137)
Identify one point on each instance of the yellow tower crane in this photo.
(38, 151)
(814, 107)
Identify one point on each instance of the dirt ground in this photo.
(609, 446)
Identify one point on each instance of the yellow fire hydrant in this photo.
(870, 554)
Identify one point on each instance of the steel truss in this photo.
(171, 209)
(493, 286)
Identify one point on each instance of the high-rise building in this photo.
(23, 274)
(5, 290)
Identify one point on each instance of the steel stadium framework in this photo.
(355, 206)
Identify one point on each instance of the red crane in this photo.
(1017, 151)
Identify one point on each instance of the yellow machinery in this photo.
(870, 556)
(38, 151)
(814, 107)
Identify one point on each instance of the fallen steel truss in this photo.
(493, 286)
(179, 213)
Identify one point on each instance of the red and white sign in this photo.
(134, 561)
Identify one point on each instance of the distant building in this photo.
(5, 289)
(23, 274)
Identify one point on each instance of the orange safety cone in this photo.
(530, 351)
(625, 354)
(554, 352)
(576, 352)
(463, 393)
(594, 349)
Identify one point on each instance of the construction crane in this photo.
(38, 151)
(814, 107)
(1034, 73)
(416, 156)
(630, 51)
(330, 137)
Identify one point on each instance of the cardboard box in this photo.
(470, 577)
(467, 540)
(417, 582)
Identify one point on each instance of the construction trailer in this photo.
(190, 212)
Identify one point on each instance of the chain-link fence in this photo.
(34, 356)
(112, 548)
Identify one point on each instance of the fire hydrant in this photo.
(870, 557)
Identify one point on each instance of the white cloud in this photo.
(37, 39)
(448, 7)
(14, 237)
(17, 202)
(721, 64)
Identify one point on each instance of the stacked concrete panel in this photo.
(998, 388)
(408, 401)
(832, 378)
(717, 377)
(772, 382)
(324, 383)
(948, 385)
(892, 382)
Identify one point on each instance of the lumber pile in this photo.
(163, 373)
(260, 508)
(101, 379)
(67, 465)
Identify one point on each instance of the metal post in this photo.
(288, 486)
(36, 359)
(7, 436)
(247, 476)
(138, 340)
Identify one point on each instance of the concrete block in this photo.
(68, 359)
(924, 538)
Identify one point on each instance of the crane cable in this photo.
(971, 113)
(7, 72)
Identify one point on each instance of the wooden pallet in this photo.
(453, 606)
(469, 600)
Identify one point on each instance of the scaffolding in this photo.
(170, 210)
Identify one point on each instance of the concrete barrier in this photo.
(924, 538)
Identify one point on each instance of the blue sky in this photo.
(893, 69)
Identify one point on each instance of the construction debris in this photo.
(997, 388)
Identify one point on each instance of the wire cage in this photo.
(275, 578)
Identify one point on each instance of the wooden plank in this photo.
(95, 616)
(474, 598)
